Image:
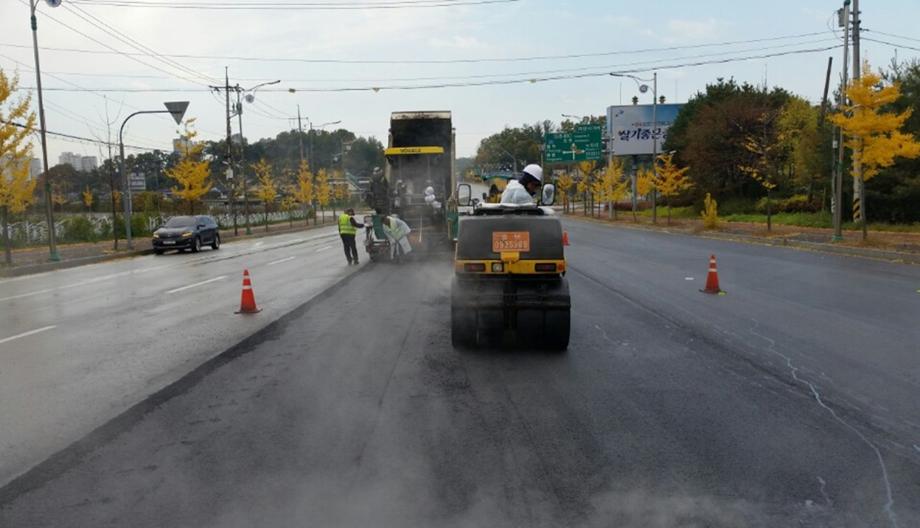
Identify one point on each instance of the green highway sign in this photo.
(584, 144)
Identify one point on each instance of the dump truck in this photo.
(509, 285)
(418, 182)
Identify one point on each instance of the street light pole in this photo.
(177, 110)
(644, 88)
(655, 146)
(49, 212)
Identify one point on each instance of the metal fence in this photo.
(33, 231)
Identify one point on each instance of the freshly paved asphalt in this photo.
(790, 401)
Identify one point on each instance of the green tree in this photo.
(710, 132)
(765, 149)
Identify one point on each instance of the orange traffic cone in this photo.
(712, 280)
(565, 238)
(248, 299)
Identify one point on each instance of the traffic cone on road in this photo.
(565, 238)
(248, 299)
(712, 279)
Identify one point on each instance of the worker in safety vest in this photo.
(348, 228)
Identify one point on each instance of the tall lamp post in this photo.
(49, 212)
(250, 98)
(643, 88)
(177, 110)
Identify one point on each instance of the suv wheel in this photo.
(196, 245)
(216, 243)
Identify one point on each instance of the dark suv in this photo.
(186, 232)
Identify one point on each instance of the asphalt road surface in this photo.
(790, 401)
(79, 346)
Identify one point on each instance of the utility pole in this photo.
(655, 146)
(841, 153)
(859, 186)
(229, 159)
(239, 115)
(300, 133)
(49, 212)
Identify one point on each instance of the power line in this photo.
(80, 138)
(522, 73)
(913, 39)
(431, 61)
(111, 31)
(902, 46)
(306, 6)
(493, 82)
(116, 51)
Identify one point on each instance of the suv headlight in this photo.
(187, 234)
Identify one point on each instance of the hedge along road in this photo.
(782, 403)
(81, 345)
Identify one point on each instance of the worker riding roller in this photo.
(509, 282)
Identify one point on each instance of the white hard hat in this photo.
(535, 170)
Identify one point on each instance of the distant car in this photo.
(186, 232)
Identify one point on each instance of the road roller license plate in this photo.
(505, 241)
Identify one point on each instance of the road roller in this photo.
(509, 286)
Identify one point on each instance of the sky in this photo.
(667, 36)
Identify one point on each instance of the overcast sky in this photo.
(525, 28)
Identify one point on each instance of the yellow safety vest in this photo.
(345, 227)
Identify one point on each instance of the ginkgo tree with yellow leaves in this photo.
(17, 190)
(267, 191)
(672, 180)
(564, 183)
(323, 191)
(88, 198)
(873, 134)
(611, 186)
(191, 173)
(645, 185)
(303, 191)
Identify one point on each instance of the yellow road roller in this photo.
(509, 286)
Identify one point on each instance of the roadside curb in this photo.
(31, 269)
(875, 254)
(69, 456)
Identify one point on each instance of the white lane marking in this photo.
(27, 334)
(258, 244)
(202, 283)
(688, 278)
(324, 248)
(280, 261)
(917, 447)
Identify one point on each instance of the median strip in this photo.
(202, 283)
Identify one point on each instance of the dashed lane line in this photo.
(202, 283)
(27, 334)
(288, 259)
